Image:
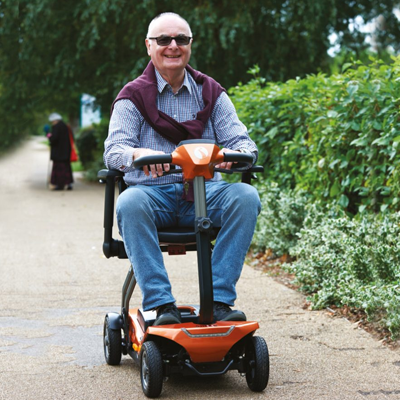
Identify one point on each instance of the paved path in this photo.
(56, 286)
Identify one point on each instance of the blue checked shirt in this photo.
(129, 131)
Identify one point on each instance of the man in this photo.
(171, 102)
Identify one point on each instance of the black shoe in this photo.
(222, 312)
(58, 188)
(167, 314)
(69, 187)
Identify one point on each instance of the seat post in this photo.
(203, 226)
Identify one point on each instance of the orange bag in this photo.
(74, 155)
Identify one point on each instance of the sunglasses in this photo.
(180, 40)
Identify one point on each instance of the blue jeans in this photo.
(142, 209)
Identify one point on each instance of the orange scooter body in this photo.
(197, 159)
(203, 343)
(208, 343)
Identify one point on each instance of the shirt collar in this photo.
(162, 83)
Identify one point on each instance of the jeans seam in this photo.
(222, 217)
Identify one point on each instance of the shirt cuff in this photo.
(127, 158)
(246, 151)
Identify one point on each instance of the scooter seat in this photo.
(181, 235)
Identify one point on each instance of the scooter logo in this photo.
(200, 152)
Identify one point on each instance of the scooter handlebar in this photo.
(242, 160)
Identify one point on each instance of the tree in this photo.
(54, 50)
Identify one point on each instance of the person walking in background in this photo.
(60, 143)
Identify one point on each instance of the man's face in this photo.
(171, 58)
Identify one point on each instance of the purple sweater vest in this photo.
(143, 93)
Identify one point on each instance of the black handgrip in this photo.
(239, 157)
(153, 159)
(241, 160)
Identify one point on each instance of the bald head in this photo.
(169, 45)
(154, 24)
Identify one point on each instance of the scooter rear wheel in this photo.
(112, 341)
(151, 369)
(257, 357)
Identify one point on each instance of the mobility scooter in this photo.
(199, 345)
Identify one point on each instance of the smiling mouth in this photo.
(172, 56)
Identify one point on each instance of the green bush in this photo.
(335, 137)
(86, 143)
(355, 262)
(281, 218)
(14, 127)
(90, 143)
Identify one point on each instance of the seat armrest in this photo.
(105, 173)
(256, 168)
(250, 174)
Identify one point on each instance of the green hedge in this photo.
(90, 143)
(338, 260)
(331, 191)
(14, 127)
(354, 262)
(281, 218)
(335, 137)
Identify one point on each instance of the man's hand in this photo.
(155, 169)
(226, 165)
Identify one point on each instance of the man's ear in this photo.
(147, 41)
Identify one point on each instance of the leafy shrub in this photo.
(90, 143)
(14, 127)
(354, 262)
(86, 142)
(335, 137)
(281, 217)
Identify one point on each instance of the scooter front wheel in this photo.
(151, 369)
(112, 341)
(257, 356)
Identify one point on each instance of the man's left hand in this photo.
(226, 165)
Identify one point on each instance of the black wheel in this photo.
(151, 369)
(112, 341)
(257, 356)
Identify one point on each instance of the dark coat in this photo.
(59, 142)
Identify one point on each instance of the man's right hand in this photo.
(155, 169)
